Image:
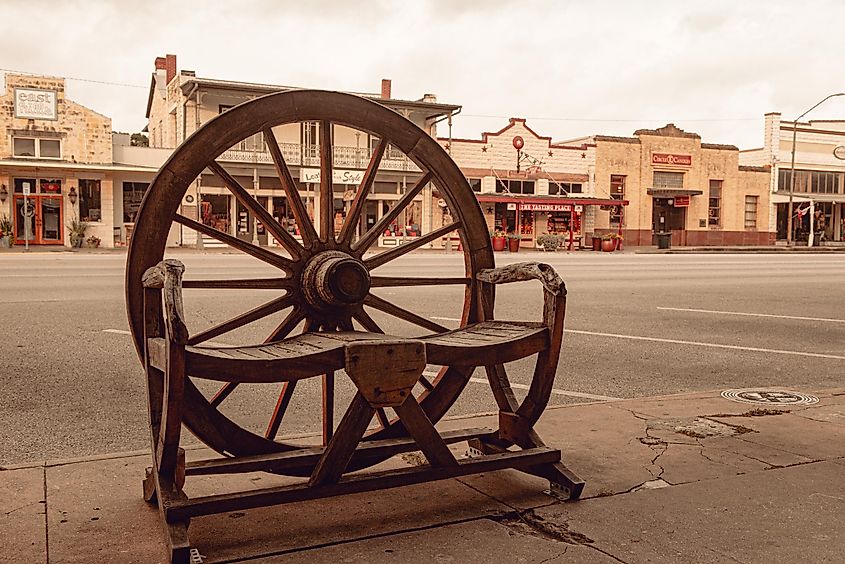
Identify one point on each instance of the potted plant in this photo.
(498, 239)
(77, 231)
(549, 242)
(610, 241)
(513, 242)
(93, 241)
(7, 232)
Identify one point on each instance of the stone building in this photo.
(528, 185)
(57, 164)
(675, 183)
(180, 102)
(818, 196)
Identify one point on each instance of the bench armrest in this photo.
(167, 276)
(525, 271)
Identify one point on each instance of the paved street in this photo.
(638, 325)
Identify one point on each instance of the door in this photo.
(39, 220)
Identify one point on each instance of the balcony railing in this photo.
(296, 154)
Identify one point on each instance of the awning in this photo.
(550, 200)
(783, 198)
(672, 192)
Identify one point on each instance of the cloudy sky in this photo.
(572, 68)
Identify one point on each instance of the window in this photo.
(475, 184)
(751, 212)
(617, 192)
(563, 188)
(714, 218)
(663, 179)
(37, 148)
(811, 181)
(133, 193)
(89, 200)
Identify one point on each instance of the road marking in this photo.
(446, 318)
(712, 345)
(118, 331)
(829, 320)
(554, 391)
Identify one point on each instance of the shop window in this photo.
(133, 193)
(564, 188)
(663, 179)
(520, 186)
(811, 181)
(617, 192)
(46, 186)
(501, 186)
(715, 214)
(751, 212)
(89, 200)
(475, 184)
(309, 141)
(37, 148)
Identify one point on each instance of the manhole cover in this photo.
(769, 397)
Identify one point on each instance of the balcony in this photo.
(253, 152)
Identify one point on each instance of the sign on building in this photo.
(669, 159)
(312, 175)
(545, 207)
(681, 201)
(31, 103)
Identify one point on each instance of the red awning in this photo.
(550, 200)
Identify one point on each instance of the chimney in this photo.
(161, 63)
(385, 88)
(170, 67)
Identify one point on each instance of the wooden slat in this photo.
(334, 461)
(258, 252)
(265, 217)
(326, 183)
(245, 318)
(307, 457)
(393, 281)
(350, 224)
(419, 426)
(396, 311)
(405, 248)
(241, 284)
(370, 237)
(356, 483)
(300, 213)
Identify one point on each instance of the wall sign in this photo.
(31, 103)
(545, 207)
(681, 201)
(338, 176)
(666, 158)
(839, 152)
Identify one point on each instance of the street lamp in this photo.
(792, 169)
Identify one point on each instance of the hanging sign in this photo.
(545, 207)
(666, 158)
(579, 209)
(512, 207)
(312, 175)
(681, 201)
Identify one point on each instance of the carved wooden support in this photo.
(525, 271)
(385, 371)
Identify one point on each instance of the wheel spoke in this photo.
(286, 326)
(396, 311)
(223, 393)
(261, 254)
(328, 407)
(357, 207)
(326, 183)
(370, 237)
(300, 213)
(281, 407)
(241, 284)
(426, 383)
(282, 236)
(367, 322)
(345, 324)
(382, 418)
(405, 248)
(246, 318)
(392, 281)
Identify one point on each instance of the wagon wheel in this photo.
(302, 300)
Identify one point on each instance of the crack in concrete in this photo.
(555, 557)
(24, 506)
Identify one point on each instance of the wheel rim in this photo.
(326, 282)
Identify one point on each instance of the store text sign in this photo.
(681, 201)
(35, 104)
(545, 207)
(669, 159)
(312, 175)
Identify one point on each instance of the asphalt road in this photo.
(637, 325)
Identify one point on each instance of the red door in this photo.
(39, 219)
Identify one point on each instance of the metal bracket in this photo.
(560, 493)
(196, 557)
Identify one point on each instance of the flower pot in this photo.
(513, 245)
(5, 242)
(498, 243)
(608, 245)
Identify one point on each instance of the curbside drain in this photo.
(773, 398)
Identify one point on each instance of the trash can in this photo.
(664, 240)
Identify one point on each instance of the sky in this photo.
(571, 68)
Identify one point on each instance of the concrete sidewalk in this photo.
(686, 478)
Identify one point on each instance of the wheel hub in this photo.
(333, 278)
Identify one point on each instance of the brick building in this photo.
(675, 183)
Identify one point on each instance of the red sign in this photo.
(681, 201)
(545, 207)
(666, 158)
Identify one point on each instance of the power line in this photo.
(124, 84)
(609, 120)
